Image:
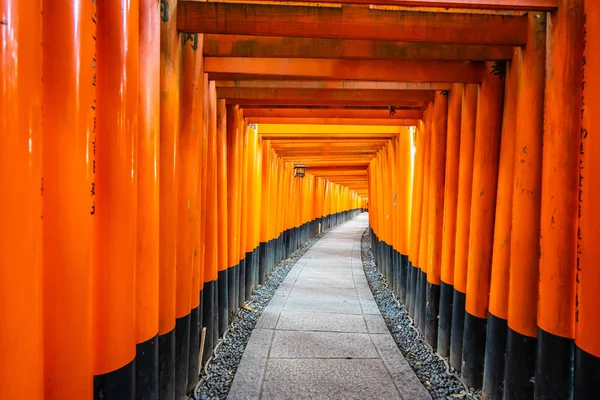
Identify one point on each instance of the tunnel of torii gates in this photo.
(148, 161)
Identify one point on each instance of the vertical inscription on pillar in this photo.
(582, 148)
(93, 132)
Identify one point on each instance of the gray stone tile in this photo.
(323, 304)
(337, 292)
(268, 318)
(302, 344)
(369, 307)
(406, 380)
(376, 324)
(316, 282)
(328, 379)
(303, 321)
(249, 376)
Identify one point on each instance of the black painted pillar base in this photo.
(232, 291)
(182, 354)
(422, 301)
(445, 324)
(395, 272)
(146, 369)
(262, 266)
(256, 266)
(432, 309)
(495, 353)
(414, 276)
(553, 367)
(457, 329)
(166, 365)
(116, 385)
(242, 282)
(520, 366)
(587, 371)
(402, 277)
(223, 301)
(473, 352)
(249, 275)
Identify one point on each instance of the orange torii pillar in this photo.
(493, 374)
(404, 171)
(243, 209)
(587, 321)
(222, 217)
(437, 176)
(415, 223)
(421, 284)
(257, 206)
(170, 56)
(146, 277)
(191, 103)
(395, 254)
(198, 234)
(449, 229)
(263, 265)
(114, 232)
(211, 267)
(69, 125)
(483, 203)
(21, 302)
(233, 198)
(525, 236)
(564, 181)
(463, 220)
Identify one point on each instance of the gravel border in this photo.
(433, 371)
(217, 375)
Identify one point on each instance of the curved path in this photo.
(322, 336)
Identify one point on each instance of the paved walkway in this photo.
(322, 336)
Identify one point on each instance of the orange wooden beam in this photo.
(374, 70)
(334, 121)
(380, 114)
(350, 23)
(320, 102)
(294, 47)
(326, 95)
(350, 85)
(523, 5)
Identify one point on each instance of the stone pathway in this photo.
(322, 336)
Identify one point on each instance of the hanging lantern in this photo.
(299, 170)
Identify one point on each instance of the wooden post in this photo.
(436, 215)
(170, 54)
(449, 225)
(587, 348)
(493, 374)
(21, 302)
(463, 221)
(483, 204)
(114, 232)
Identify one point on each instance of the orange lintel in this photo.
(326, 102)
(337, 95)
(356, 85)
(374, 70)
(294, 47)
(336, 121)
(526, 5)
(350, 23)
(331, 113)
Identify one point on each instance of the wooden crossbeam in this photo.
(349, 85)
(371, 70)
(524, 5)
(335, 95)
(350, 23)
(294, 47)
(381, 114)
(337, 121)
